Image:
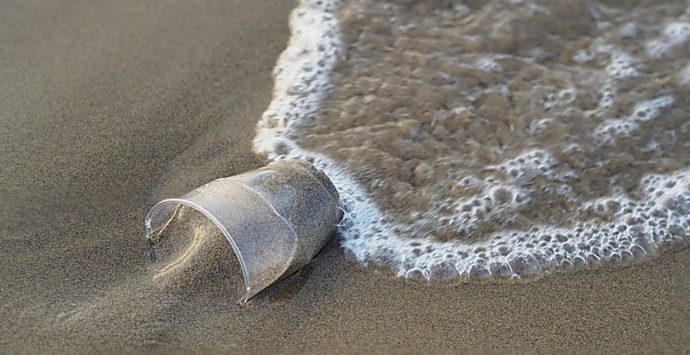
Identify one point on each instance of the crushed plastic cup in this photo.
(276, 218)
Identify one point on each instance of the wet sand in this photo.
(107, 108)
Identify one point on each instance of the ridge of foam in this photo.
(301, 76)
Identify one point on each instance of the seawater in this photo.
(504, 138)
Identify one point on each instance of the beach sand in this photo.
(108, 107)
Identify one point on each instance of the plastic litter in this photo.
(276, 218)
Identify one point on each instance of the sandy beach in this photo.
(106, 108)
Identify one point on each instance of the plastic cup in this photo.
(276, 218)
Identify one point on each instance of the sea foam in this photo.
(625, 224)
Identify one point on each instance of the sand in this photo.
(108, 107)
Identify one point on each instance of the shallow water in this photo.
(503, 138)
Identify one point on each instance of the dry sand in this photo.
(108, 107)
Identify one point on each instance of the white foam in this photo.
(489, 64)
(631, 225)
(582, 57)
(622, 65)
(301, 76)
(674, 35)
(607, 132)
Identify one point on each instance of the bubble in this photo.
(444, 271)
(498, 269)
(478, 272)
(637, 251)
(622, 65)
(524, 265)
(674, 35)
(415, 274)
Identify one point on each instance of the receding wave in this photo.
(496, 138)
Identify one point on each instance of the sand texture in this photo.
(106, 108)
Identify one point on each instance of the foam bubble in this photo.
(488, 64)
(608, 131)
(622, 66)
(582, 57)
(674, 35)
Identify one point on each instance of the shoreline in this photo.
(96, 136)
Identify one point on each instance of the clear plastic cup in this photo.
(276, 218)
